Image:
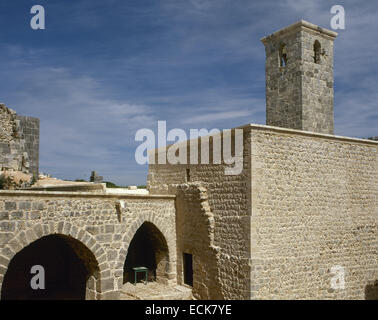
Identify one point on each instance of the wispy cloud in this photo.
(216, 116)
(103, 70)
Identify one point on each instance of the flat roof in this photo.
(300, 24)
(26, 193)
(308, 133)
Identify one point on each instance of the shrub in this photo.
(111, 185)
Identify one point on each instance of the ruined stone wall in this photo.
(314, 206)
(195, 230)
(228, 197)
(19, 142)
(103, 224)
(11, 146)
(7, 124)
(29, 131)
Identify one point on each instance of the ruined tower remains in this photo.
(19, 142)
(299, 78)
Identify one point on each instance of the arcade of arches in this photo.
(82, 241)
(71, 269)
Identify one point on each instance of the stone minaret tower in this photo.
(299, 78)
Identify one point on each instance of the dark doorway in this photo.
(149, 249)
(188, 269)
(67, 264)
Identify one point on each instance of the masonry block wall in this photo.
(228, 198)
(303, 204)
(299, 78)
(314, 206)
(29, 131)
(98, 227)
(195, 236)
(19, 142)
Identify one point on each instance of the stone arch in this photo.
(95, 284)
(170, 238)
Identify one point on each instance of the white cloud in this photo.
(216, 116)
(187, 62)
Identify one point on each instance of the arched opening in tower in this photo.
(317, 51)
(282, 55)
(148, 249)
(69, 271)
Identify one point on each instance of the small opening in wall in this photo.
(283, 55)
(188, 269)
(371, 291)
(187, 175)
(317, 51)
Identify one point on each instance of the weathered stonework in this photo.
(228, 208)
(19, 142)
(195, 227)
(304, 202)
(299, 93)
(94, 223)
(29, 132)
(314, 206)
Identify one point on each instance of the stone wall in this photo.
(314, 206)
(299, 93)
(228, 198)
(304, 203)
(195, 230)
(317, 82)
(104, 224)
(11, 146)
(7, 127)
(19, 142)
(29, 131)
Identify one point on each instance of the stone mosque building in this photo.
(302, 212)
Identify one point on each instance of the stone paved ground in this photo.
(155, 291)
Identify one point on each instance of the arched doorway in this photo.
(149, 249)
(71, 270)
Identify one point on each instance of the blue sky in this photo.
(104, 69)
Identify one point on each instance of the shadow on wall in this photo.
(371, 291)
